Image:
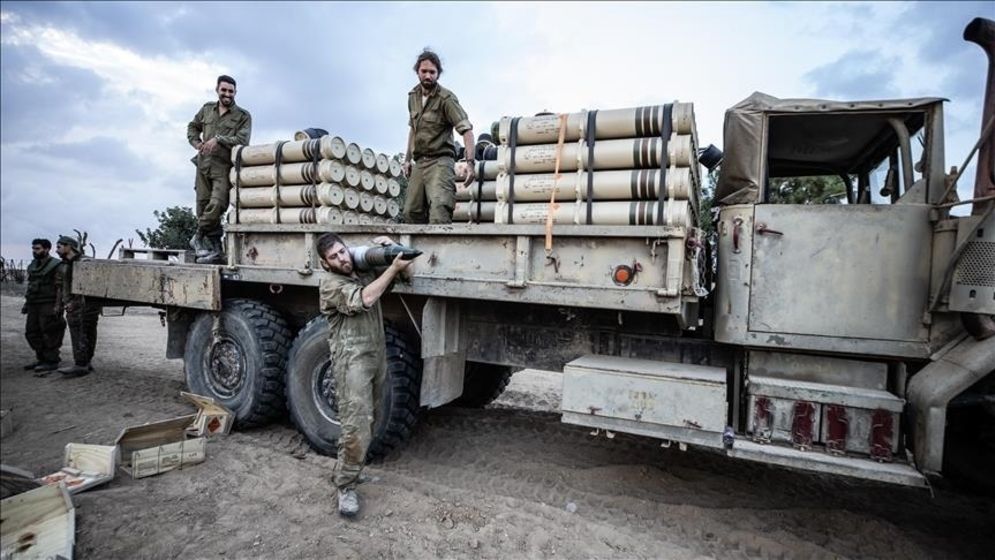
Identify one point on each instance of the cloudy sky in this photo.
(96, 97)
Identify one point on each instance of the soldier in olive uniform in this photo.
(45, 327)
(433, 113)
(218, 127)
(81, 314)
(351, 301)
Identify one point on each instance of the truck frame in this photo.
(835, 338)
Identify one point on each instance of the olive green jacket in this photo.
(432, 125)
(232, 129)
(42, 279)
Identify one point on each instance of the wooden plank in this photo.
(40, 523)
(212, 418)
(145, 282)
(152, 435)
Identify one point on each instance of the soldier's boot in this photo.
(31, 366)
(216, 253)
(75, 371)
(199, 244)
(45, 368)
(348, 503)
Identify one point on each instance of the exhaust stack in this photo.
(981, 32)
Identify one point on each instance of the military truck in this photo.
(834, 340)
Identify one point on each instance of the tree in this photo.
(807, 190)
(706, 203)
(176, 226)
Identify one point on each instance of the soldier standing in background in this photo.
(44, 327)
(81, 315)
(218, 127)
(433, 113)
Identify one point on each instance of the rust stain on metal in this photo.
(692, 424)
(594, 409)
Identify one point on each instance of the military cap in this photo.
(70, 241)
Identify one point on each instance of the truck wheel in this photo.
(311, 391)
(482, 384)
(244, 369)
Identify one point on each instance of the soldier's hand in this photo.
(399, 265)
(208, 147)
(406, 169)
(383, 240)
(471, 175)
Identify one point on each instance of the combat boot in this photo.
(31, 366)
(75, 371)
(199, 244)
(348, 503)
(215, 254)
(43, 369)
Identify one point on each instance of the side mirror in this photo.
(710, 157)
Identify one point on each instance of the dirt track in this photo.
(471, 483)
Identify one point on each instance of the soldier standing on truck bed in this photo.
(44, 327)
(351, 301)
(81, 315)
(433, 113)
(218, 127)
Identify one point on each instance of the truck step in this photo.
(894, 473)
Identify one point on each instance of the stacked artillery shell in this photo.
(314, 180)
(633, 168)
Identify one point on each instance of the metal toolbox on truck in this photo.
(673, 401)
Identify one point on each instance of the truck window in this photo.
(849, 158)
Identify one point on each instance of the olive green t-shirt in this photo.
(432, 123)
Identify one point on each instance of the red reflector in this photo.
(762, 420)
(622, 275)
(803, 425)
(882, 435)
(838, 426)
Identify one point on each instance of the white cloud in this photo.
(146, 103)
(501, 59)
(162, 86)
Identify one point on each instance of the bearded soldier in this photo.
(351, 301)
(218, 127)
(44, 327)
(433, 113)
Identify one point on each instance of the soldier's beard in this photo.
(226, 101)
(428, 85)
(343, 269)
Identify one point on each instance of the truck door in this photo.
(853, 272)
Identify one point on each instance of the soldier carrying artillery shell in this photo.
(218, 127)
(350, 299)
(433, 112)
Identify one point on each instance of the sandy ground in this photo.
(509, 481)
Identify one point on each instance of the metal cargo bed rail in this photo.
(150, 282)
(635, 268)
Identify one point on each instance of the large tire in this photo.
(482, 384)
(311, 391)
(245, 371)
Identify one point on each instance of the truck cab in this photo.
(836, 301)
